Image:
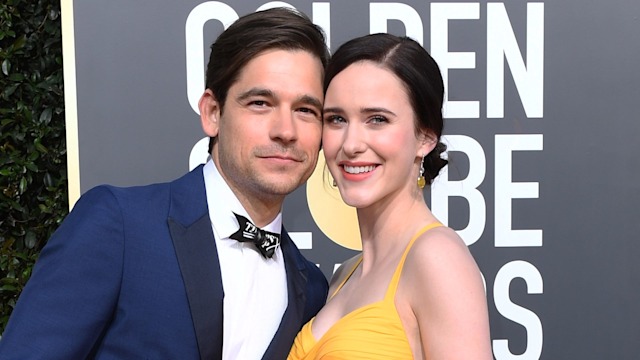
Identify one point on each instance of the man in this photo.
(155, 272)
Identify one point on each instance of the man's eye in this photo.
(309, 111)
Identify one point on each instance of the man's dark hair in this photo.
(253, 34)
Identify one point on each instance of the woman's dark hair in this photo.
(253, 34)
(419, 73)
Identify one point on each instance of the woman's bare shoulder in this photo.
(438, 260)
(447, 296)
(437, 246)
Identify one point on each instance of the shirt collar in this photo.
(222, 203)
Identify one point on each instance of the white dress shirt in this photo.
(255, 288)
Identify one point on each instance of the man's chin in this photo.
(283, 187)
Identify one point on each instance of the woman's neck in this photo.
(387, 226)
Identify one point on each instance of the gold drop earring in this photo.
(421, 180)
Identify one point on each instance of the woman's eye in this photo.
(378, 119)
(334, 119)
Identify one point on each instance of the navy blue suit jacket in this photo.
(133, 273)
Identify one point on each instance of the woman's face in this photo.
(369, 137)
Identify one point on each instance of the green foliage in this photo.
(33, 173)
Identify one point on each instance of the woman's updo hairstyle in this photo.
(419, 73)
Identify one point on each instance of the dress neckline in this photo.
(391, 288)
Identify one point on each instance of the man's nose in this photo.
(283, 126)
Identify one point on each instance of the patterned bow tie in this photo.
(266, 242)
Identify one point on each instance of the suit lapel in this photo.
(195, 247)
(293, 316)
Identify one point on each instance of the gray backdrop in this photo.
(542, 128)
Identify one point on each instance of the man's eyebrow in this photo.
(311, 100)
(305, 99)
(255, 92)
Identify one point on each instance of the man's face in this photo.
(270, 130)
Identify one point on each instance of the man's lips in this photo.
(281, 157)
(280, 153)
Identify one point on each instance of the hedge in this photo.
(33, 171)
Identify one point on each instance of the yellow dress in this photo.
(373, 331)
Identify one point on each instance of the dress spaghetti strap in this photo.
(346, 278)
(393, 285)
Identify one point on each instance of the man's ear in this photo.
(209, 113)
(428, 141)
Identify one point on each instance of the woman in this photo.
(415, 290)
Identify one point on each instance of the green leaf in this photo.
(19, 43)
(53, 14)
(45, 116)
(6, 66)
(23, 185)
(31, 166)
(48, 180)
(41, 148)
(9, 90)
(8, 288)
(30, 240)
